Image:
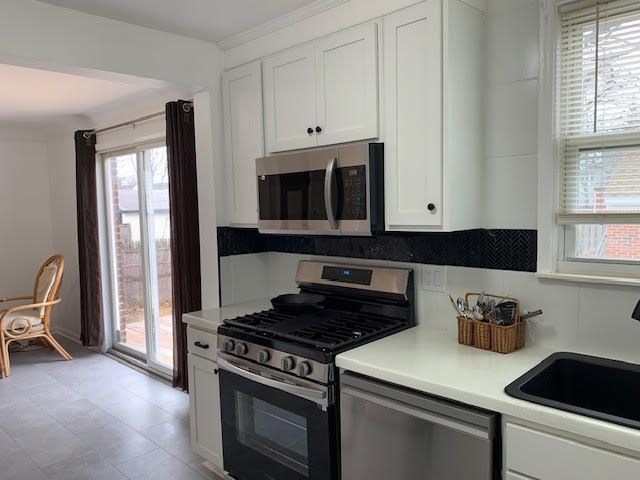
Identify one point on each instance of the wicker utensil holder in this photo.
(489, 336)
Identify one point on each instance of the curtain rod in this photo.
(185, 106)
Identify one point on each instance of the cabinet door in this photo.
(565, 459)
(244, 140)
(290, 99)
(347, 91)
(206, 425)
(413, 93)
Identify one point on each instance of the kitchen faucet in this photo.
(636, 312)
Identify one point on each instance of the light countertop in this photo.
(432, 361)
(212, 318)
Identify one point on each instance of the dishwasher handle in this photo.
(415, 412)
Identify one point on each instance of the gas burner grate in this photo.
(328, 330)
(260, 321)
(336, 329)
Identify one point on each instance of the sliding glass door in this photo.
(137, 203)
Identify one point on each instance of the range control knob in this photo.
(263, 356)
(242, 349)
(288, 363)
(229, 345)
(304, 369)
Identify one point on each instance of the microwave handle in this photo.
(328, 194)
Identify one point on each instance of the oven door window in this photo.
(273, 435)
(273, 431)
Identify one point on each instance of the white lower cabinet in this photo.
(536, 455)
(204, 393)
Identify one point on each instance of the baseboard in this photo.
(215, 469)
(68, 334)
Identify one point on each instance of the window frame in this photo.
(552, 241)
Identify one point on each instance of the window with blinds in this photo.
(598, 124)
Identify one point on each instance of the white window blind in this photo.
(598, 112)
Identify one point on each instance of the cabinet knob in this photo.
(318, 129)
(431, 207)
(309, 130)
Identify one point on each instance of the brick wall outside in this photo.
(623, 241)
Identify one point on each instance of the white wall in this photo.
(511, 141)
(41, 34)
(25, 215)
(62, 181)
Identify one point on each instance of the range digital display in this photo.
(358, 276)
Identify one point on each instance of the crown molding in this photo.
(279, 23)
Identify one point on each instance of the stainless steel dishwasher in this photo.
(388, 432)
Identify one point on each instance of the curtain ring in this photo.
(187, 107)
(87, 135)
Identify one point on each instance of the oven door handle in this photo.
(328, 194)
(317, 396)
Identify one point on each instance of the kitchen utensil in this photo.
(462, 304)
(477, 313)
(480, 301)
(506, 313)
(527, 315)
(455, 306)
(298, 303)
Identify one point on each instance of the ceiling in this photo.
(210, 20)
(32, 94)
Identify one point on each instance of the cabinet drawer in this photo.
(562, 459)
(201, 343)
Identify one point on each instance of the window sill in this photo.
(594, 279)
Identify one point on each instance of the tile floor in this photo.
(92, 418)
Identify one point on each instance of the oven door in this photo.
(274, 430)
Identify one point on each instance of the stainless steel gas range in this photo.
(278, 382)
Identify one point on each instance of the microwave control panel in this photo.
(354, 192)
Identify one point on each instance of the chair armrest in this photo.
(29, 306)
(13, 299)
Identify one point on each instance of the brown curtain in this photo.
(91, 321)
(185, 231)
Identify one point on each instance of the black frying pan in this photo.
(298, 303)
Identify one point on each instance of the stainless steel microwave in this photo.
(331, 191)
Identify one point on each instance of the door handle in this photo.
(328, 193)
(204, 346)
(318, 396)
(412, 411)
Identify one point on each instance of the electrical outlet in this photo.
(434, 278)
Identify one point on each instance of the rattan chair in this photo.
(33, 320)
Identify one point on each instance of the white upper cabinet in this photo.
(433, 80)
(244, 140)
(323, 93)
(290, 89)
(347, 81)
(413, 92)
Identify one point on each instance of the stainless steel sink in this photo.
(605, 389)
